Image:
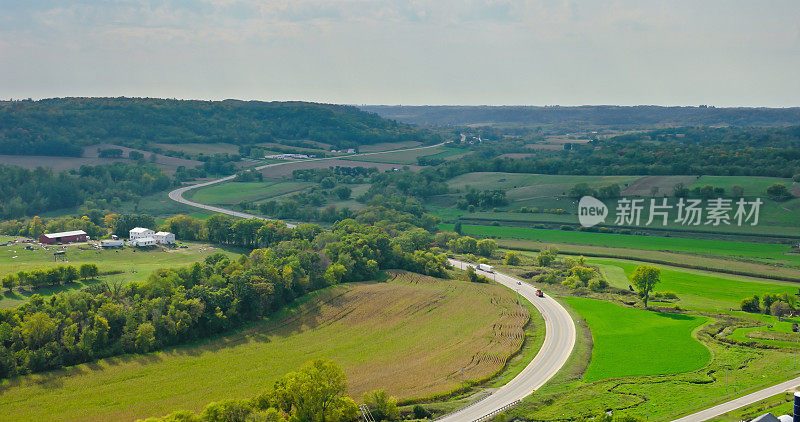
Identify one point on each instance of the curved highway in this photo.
(559, 337)
(559, 340)
(177, 194)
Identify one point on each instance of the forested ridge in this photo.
(62, 126)
(589, 115)
(675, 151)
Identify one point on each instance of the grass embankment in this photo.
(128, 264)
(778, 405)
(411, 336)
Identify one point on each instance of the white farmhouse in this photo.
(164, 238)
(143, 241)
(140, 232)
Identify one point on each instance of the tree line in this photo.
(180, 305)
(27, 192)
(677, 151)
(55, 276)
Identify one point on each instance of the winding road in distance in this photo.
(559, 337)
(177, 194)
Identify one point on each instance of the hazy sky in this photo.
(667, 52)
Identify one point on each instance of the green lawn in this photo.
(631, 342)
(697, 290)
(133, 264)
(409, 336)
(767, 252)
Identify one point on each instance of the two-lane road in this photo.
(559, 340)
(177, 194)
(559, 328)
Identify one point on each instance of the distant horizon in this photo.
(409, 105)
(420, 52)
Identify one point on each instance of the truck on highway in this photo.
(486, 267)
(539, 293)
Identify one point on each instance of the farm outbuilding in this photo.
(63, 237)
(143, 241)
(111, 243)
(164, 238)
(140, 232)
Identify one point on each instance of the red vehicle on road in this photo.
(539, 293)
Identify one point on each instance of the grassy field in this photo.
(752, 185)
(629, 342)
(711, 292)
(206, 149)
(766, 252)
(548, 192)
(701, 262)
(697, 290)
(405, 157)
(233, 192)
(132, 264)
(579, 390)
(410, 336)
(388, 146)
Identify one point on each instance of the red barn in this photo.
(63, 237)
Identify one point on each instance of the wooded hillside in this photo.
(62, 126)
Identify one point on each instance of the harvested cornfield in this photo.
(413, 336)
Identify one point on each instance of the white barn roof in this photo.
(64, 234)
(140, 230)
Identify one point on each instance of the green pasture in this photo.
(388, 146)
(630, 342)
(132, 264)
(234, 192)
(720, 372)
(402, 157)
(195, 148)
(698, 290)
(767, 252)
(752, 185)
(547, 192)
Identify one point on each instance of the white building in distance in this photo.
(140, 232)
(143, 241)
(164, 238)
